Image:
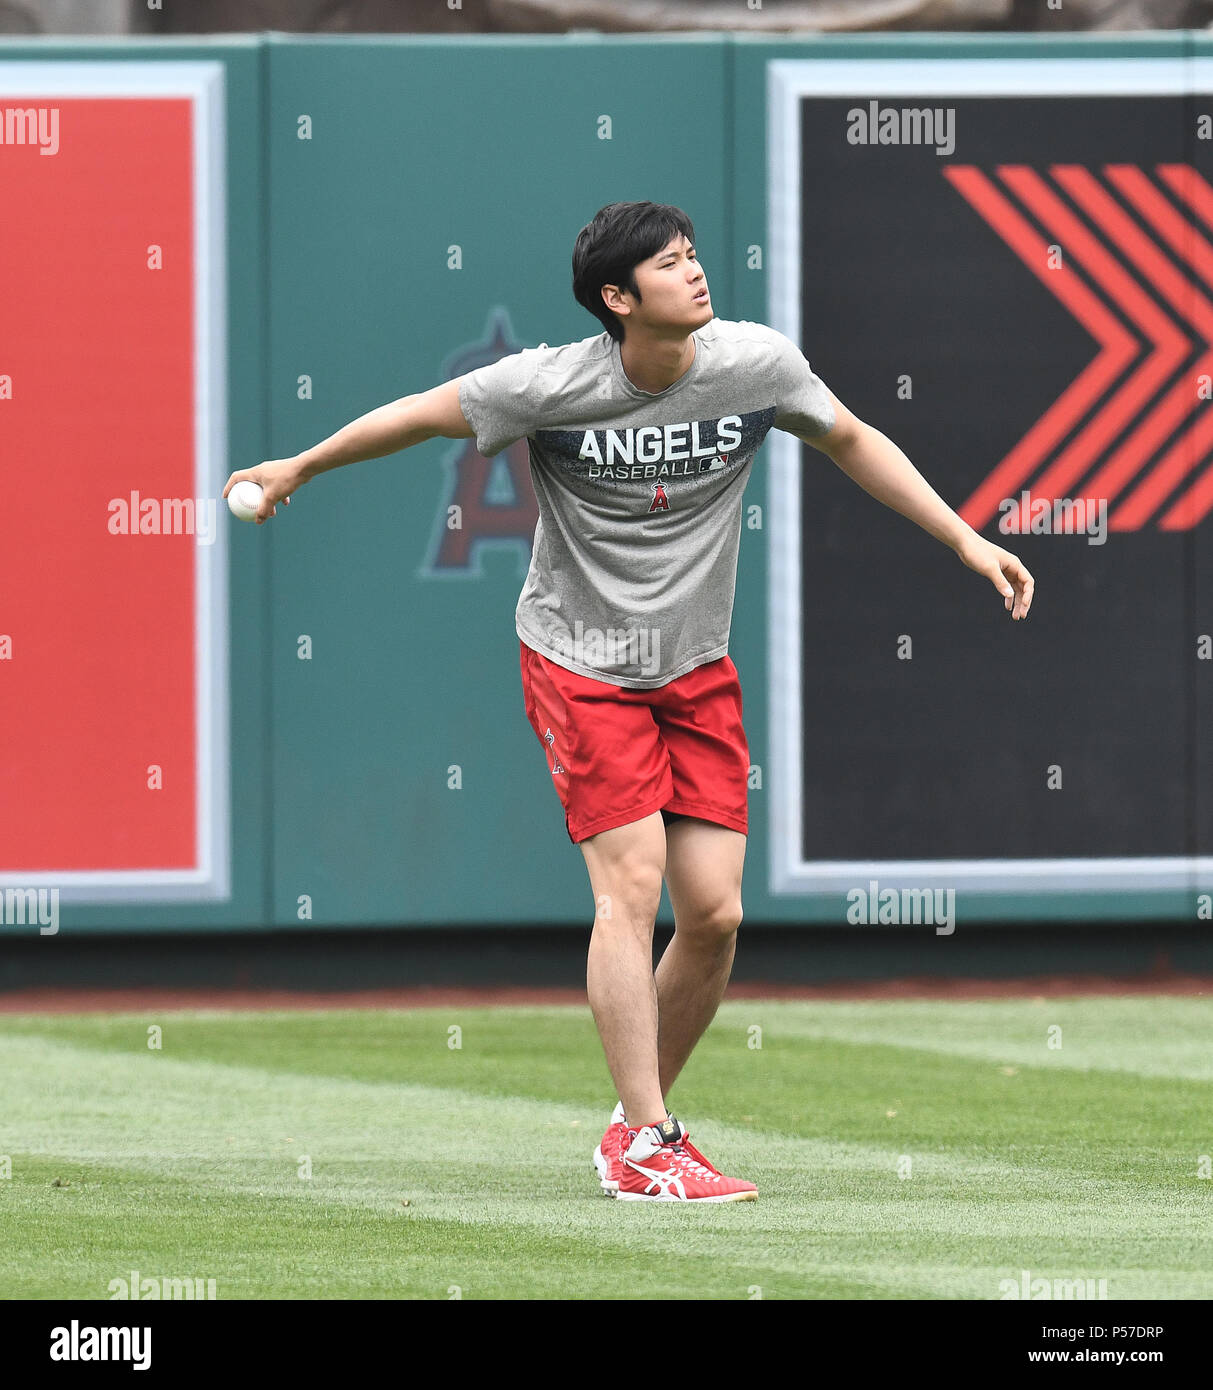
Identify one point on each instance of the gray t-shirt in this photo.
(635, 555)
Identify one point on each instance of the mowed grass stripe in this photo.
(146, 1109)
(834, 1215)
(897, 1093)
(280, 1247)
(267, 1247)
(423, 1134)
(1165, 1036)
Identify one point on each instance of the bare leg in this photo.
(703, 872)
(626, 867)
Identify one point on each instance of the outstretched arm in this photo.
(385, 430)
(872, 460)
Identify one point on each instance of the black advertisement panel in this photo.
(1013, 280)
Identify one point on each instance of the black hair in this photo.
(609, 249)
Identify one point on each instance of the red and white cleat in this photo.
(659, 1165)
(608, 1156)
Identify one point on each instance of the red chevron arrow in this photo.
(1195, 504)
(1179, 292)
(1171, 347)
(1118, 347)
(1182, 400)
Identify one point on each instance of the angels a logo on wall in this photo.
(486, 501)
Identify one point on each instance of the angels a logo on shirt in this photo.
(660, 502)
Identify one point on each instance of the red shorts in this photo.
(617, 755)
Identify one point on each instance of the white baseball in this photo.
(244, 499)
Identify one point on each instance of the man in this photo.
(641, 441)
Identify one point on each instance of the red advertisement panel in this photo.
(98, 525)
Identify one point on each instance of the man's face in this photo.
(673, 291)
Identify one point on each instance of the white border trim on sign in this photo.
(788, 81)
(203, 84)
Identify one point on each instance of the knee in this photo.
(632, 894)
(713, 923)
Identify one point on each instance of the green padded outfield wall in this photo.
(399, 211)
(423, 156)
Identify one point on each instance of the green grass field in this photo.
(435, 1170)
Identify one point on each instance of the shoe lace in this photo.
(692, 1165)
(679, 1156)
